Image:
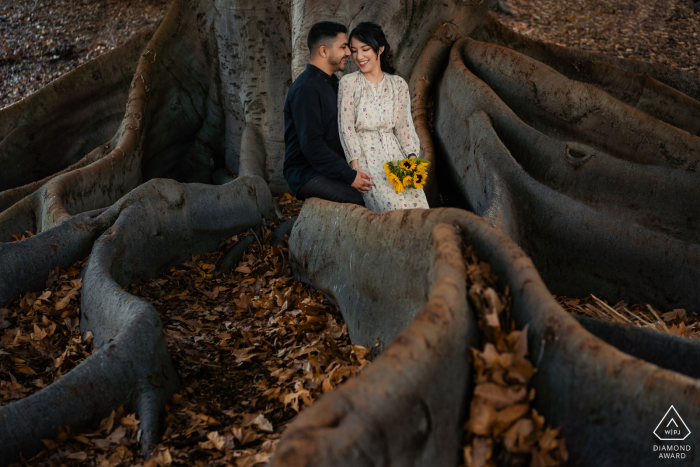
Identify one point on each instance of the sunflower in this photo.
(396, 183)
(408, 164)
(418, 179)
(422, 167)
(407, 181)
(387, 169)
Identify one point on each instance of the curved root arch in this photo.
(402, 409)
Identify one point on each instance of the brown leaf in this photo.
(38, 333)
(251, 461)
(161, 456)
(360, 352)
(518, 342)
(57, 362)
(259, 420)
(505, 418)
(107, 423)
(62, 303)
(45, 295)
(481, 418)
(214, 441)
(50, 444)
(26, 370)
(129, 421)
(80, 456)
(326, 386)
(499, 396)
(549, 439)
(293, 398)
(82, 439)
(483, 447)
(520, 369)
(514, 437)
(242, 355)
(117, 435)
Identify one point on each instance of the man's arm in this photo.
(306, 111)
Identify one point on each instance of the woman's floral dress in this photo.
(376, 127)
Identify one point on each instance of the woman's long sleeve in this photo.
(346, 120)
(404, 129)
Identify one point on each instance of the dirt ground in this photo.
(664, 31)
(42, 39)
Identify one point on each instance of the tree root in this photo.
(664, 199)
(576, 248)
(366, 421)
(406, 408)
(603, 238)
(45, 133)
(569, 109)
(563, 58)
(25, 265)
(160, 224)
(431, 63)
(622, 79)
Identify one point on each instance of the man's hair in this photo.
(323, 31)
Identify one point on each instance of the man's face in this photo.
(339, 52)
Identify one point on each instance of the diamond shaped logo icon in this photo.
(672, 427)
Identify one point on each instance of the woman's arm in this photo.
(403, 129)
(346, 121)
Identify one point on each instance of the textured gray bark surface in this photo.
(405, 408)
(577, 158)
(160, 224)
(55, 127)
(591, 220)
(601, 397)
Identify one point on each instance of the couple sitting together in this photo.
(339, 134)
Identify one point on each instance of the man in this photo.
(314, 162)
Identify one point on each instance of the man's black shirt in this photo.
(312, 144)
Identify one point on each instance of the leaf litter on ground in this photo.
(253, 347)
(42, 39)
(676, 321)
(660, 31)
(503, 428)
(40, 339)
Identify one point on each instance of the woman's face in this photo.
(366, 58)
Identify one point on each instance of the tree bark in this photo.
(399, 410)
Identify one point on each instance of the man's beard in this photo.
(337, 62)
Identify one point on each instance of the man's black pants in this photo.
(331, 190)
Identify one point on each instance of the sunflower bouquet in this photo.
(407, 173)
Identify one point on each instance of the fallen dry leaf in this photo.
(161, 456)
(502, 428)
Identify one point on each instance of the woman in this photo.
(374, 118)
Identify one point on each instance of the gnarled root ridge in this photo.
(406, 285)
(594, 213)
(407, 407)
(51, 130)
(157, 225)
(25, 265)
(646, 83)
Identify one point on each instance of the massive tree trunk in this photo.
(588, 164)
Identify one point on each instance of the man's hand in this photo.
(362, 181)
